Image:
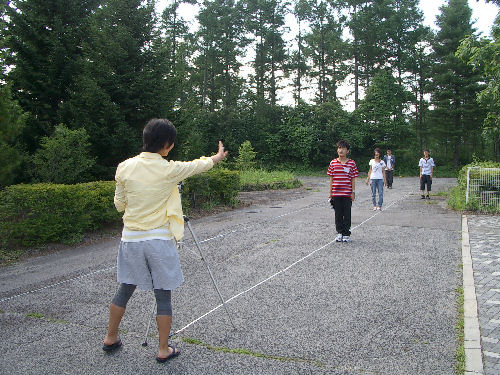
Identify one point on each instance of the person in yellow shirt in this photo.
(146, 191)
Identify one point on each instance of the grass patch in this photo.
(8, 256)
(49, 319)
(459, 327)
(260, 179)
(35, 315)
(241, 351)
(442, 194)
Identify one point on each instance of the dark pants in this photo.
(389, 177)
(425, 180)
(343, 215)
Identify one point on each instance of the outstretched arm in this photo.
(221, 154)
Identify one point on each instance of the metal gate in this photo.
(483, 185)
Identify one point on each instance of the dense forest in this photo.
(80, 78)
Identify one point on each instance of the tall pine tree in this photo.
(457, 117)
(44, 40)
(122, 83)
(327, 50)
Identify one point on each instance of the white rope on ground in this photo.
(113, 267)
(209, 239)
(56, 284)
(284, 269)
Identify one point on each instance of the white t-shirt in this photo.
(389, 165)
(426, 165)
(377, 169)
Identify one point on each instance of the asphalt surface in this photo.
(386, 303)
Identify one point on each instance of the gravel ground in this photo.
(302, 304)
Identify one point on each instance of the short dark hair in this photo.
(377, 150)
(343, 143)
(156, 133)
(388, 149)
(426, 149)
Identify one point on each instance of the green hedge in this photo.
(42, 213)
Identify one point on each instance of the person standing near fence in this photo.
(389, 161)
(377, 180)
(343, 172)
(426, 165)
(146, 190)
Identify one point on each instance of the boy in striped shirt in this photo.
(342, 172)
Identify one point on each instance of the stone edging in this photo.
(472, 333)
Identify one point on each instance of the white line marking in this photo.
(281, 271)
(113, 267)
(59, 283)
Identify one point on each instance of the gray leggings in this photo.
(163, 298)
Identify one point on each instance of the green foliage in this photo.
(326, 48)
(457, 199)
(216, 187)
(246, 157)
(120, 84)
(64, 157)
(41, 213)
(382, 109)
(259, 179)
(12, 122)
(307, 135)
(484, 56)
(455, 86)
(44, 40)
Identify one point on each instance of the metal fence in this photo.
(483, 185)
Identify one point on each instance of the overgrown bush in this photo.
(64, 157)
(457, 199)
(42, 213)
(246, 157)
(215, 187)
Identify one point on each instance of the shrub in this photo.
(458, 194)
(217, 186)
(263, 180)
(64, 157)
(41, 213)
(246, 157)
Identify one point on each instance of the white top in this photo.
(377, 169)
(426, 165)
(388, 166)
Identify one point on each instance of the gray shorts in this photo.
(152, 264)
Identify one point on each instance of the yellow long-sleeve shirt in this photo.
(146, 189)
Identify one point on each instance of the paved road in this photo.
(484, 237)
(302, 304)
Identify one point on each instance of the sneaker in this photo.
(338, 238)
(374, 208)
(379, 208)
(423, 197)
(428, 197)
(346, 239)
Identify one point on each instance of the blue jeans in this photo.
(377, 184)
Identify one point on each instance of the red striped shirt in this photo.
(342, 176)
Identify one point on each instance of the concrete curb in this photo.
(472, 333)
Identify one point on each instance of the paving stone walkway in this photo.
(484, 234)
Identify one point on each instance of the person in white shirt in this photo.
(426, 165)
(389, 161)
(376, 177)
